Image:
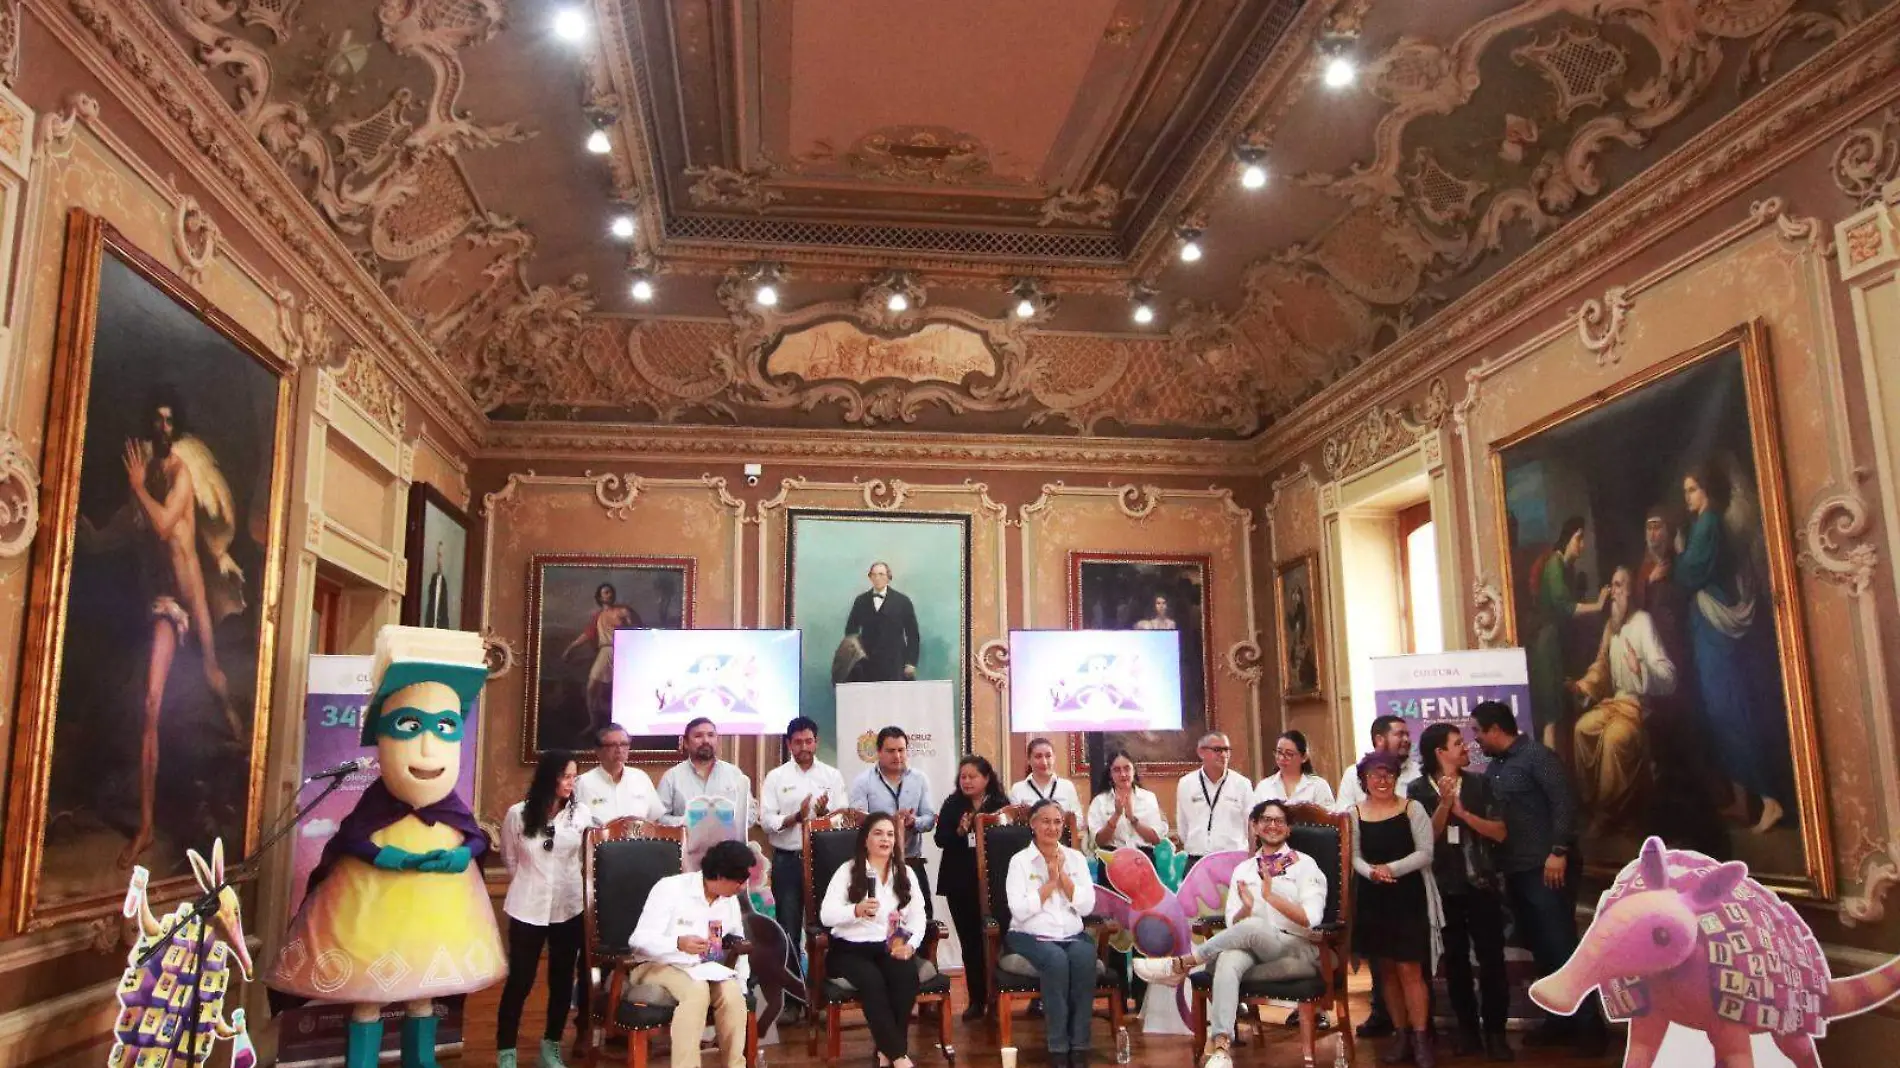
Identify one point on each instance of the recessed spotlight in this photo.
(598, 144)
(570, 24)
(1144, 313)
(1253, 176)
(765, 296)
(1190, 251)
(1025, 308)
(622, 226)
(898, 302)
(642, 290)
(1340, 72)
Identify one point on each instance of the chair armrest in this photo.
(934, 935)
(1332, 927)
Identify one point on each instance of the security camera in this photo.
(753, 472)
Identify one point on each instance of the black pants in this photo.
(1548, 921)
(920, 877)
(525, 942)
(887, 990)
(967, 914)
(1474, 920)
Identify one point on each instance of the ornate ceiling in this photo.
(944, 153)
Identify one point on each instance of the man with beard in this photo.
(703, 774)
(1630, 668)
(182, 521)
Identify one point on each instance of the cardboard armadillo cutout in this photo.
(1682, 939)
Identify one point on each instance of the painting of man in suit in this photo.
(884, 624)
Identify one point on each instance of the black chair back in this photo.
(1003, 834)
(623, 874)
(1317, 833)
(831, 848)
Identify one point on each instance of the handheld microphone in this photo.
(348, 767)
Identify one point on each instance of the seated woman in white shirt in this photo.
(1273, 902)
(1041, 784)
(680, 944)
(541, 846)
(1293, 780)
(876, 917)
(1049, 894)
(1124, 813)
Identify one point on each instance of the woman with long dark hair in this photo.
(977, 792)
(876, 919)
(541, 846)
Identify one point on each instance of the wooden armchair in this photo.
(620, 864)
(1000, 835)
(1326, 836)
(830, 843)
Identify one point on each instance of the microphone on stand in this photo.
(348, 767)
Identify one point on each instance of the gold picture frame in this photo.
(94, 442)
(1687, 418)
(1294, 675)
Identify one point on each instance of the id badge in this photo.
(1451, 835)
(972, 839)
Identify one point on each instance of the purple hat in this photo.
(1375, 760)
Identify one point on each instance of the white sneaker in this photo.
(1158, 970)
(1218, 1059)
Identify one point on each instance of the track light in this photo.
(570, 24)
(598, 144)
(1144, 313)
(766, 295)
(1190, 237)
(1142, 295)
(1025, 308)
(1253, 176)
(898, 302)
(1032, 303)
(642, 288)
(622, 226)
(1339, 72)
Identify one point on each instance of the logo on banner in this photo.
(867, 747)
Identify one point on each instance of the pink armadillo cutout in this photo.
(1681, 938)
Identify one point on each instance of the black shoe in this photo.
(1375, 1027)
(974, 1012)
(1497, 1047)
(1059, 1060)
(1035, 1013)
(1547, 1036)
(1466, 1043)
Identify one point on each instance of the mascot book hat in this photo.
(408, 655)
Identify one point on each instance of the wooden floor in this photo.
(976, 1043)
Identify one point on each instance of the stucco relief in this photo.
(1293, 514)
(19, 497)
(1868, 158)
(1384, 431)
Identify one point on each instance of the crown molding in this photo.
(130, 50)
(598, 442)
(1795, 114)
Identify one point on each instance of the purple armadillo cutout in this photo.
(1681, 938)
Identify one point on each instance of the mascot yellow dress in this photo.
(396, 911)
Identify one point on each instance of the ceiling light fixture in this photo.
(898, 302)
(1032, 303)
(1253, 176)
(1190, 237)
(1340, 72)
(1025, 308)
(598, 144)
(642, 288)
(1143, 296)
(766, 296)
(1144, 313)
(570, 24)
(1252, 158)
(622, 226)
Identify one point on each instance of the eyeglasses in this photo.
(1290, 754)
(615, 745)
(1274, 821)
(1218, 748)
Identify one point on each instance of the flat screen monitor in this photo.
(1094, 680)
(746, 681)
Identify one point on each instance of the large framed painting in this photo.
(1296, 598)
(575, 603)
(881, 597)
(1136, 591)
(1650, 576)
(436, 544)
(147, 668)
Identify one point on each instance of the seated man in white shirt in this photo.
(678, 941)
(1273, 902)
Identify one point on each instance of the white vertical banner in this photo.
(927, 711)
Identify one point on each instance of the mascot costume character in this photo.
(396, 910)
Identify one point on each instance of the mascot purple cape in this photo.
(396, 910)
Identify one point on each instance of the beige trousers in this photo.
(725, 1000)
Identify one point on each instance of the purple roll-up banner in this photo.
(337, 693)
(1428, 688)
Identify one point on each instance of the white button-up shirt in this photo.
(682, 783)
(785, 788)
(1145, 807)
(1311, 790)
(1028, 791)
(1303, 882)
(632, 796)
(839, 913)
(1351, 793)
(678, 907)
(1212, 814)
(1059, 916)
(545, 884)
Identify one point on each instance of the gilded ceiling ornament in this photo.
(56, 130)
(19, 497)
(273, 15)
(892, 303)
(1868, 158)
(1579, 64)
(936, 155)
(498, 653)
(1439, 195)
(9, 40)
(721, 187)
(531, 347)
(1088, 207)
(1245, 660)
(617, 493)
(1487, 615)
(991, 660)
(364, 381)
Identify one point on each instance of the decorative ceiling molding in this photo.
(1792, 115)
(365, 382)
(1384, 431)
(1868, 159)
(1600, 324)
(134, 53)
(9, 40)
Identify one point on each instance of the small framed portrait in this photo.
(1296, 597)
(1124, 591)
(437, 548)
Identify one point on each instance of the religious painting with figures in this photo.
(576, 601)
(1122, 591)
(155, 586)
(1645, 534)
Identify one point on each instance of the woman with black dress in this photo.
(1396, 909)
(977, 792)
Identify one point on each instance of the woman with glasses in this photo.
(541, 845)
(1396, 908)
(1292, 779)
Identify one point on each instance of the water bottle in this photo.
(1123, 1051)
(1339, 1047)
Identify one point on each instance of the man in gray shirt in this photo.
(892, 787)
(703, 774)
